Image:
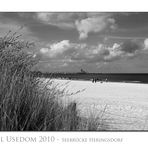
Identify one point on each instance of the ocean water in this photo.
(135, 78)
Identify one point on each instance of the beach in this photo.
(121, 106)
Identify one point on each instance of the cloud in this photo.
(44, 50)
(84, 23)
(131, 46)
(61, 20)
(115, 52)
(60, 47)
(94, 24)
(67, 53)
(146, 44)
(56, 48)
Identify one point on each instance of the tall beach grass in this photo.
(26, 103)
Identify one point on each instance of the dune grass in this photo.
(25, 103)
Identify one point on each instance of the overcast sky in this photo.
(96, 42)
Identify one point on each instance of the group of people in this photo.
(94, 80)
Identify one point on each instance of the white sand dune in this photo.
(124, 105)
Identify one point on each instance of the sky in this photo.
(103, 42)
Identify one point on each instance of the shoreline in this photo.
(129, 82)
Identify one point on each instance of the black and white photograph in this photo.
(74, 71)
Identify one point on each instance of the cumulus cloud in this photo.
(94, 24)
(146, 44)
(131, 46)
(56, 48)
(71, 52)
(44, 50)
(115, 52)
(67, 52)
(60, 47)
(84, 23)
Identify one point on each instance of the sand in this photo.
(121, 106)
